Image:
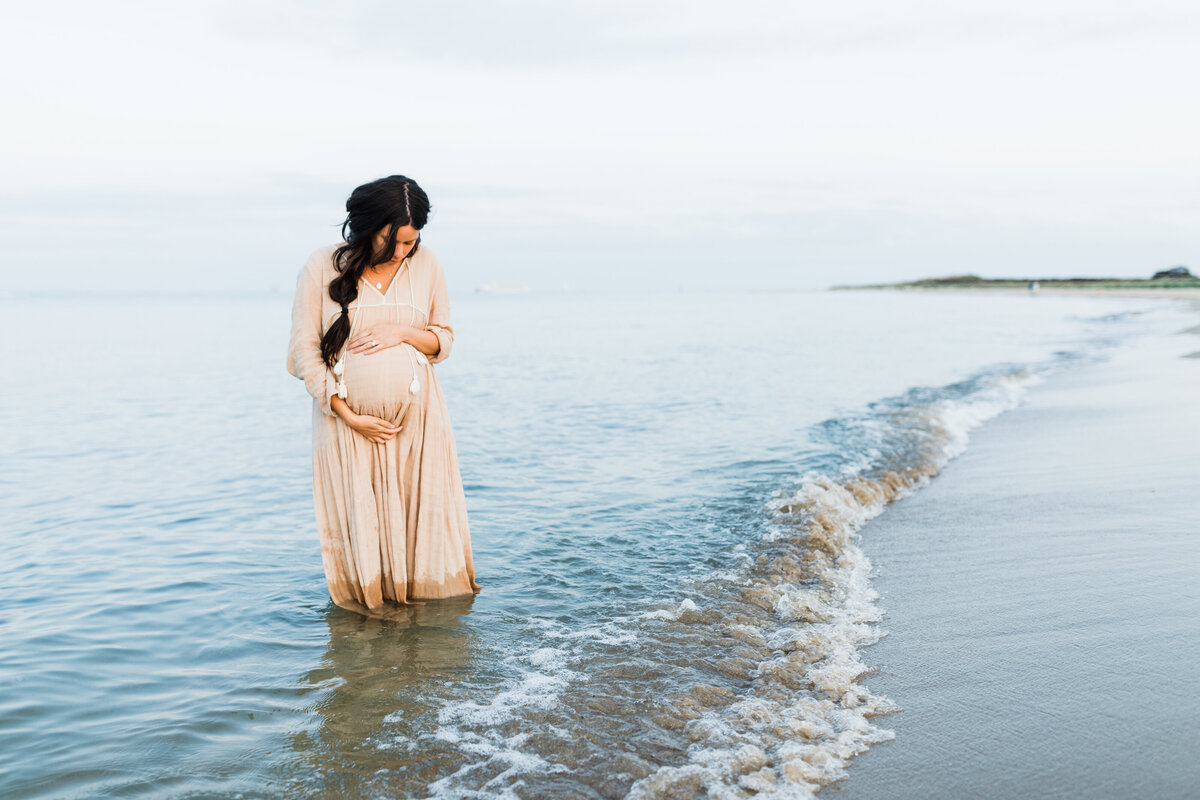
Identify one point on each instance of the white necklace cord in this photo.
(379, 284)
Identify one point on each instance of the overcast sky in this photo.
(634, 145)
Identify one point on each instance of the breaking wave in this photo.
(752, 684)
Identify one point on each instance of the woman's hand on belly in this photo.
(373, 428)
(384, 335)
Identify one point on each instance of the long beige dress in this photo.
(391, 517)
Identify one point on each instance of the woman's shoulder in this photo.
(324, 254)
(426, 254)
(320, 263)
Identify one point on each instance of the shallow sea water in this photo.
(665, 495)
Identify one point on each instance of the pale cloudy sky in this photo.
(211, 145)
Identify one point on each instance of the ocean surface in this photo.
(667, 496)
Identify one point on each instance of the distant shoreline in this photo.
(1175, 278)
(1185, 293)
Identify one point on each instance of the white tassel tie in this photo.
(415, 386)
(338, 369)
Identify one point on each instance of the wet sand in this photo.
(1041, 596)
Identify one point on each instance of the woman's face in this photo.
(406, 237)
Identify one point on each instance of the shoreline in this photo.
(1036, 594)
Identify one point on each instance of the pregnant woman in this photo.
(370, 319)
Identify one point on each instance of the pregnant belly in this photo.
(378, 384)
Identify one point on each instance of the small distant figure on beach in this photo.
(391, 512)
(1034, 286)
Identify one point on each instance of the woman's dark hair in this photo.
(394, 200)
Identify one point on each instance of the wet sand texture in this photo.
(1041, 598)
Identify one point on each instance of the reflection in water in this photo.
(381, 683)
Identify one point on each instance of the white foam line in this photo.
(739, 749)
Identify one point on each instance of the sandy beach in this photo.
(1040, 595)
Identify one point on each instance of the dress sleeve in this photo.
(439, 316)
(304, 349)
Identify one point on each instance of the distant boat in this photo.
(503, 288)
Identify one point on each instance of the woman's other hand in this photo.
(384, 335)
(372, 428)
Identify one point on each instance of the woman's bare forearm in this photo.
(339, 407)
(424, 340)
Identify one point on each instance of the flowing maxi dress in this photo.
(391, 517)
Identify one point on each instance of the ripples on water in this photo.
(665, 495)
